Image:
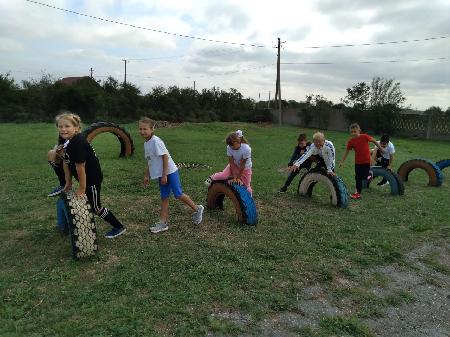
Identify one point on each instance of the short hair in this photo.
(355, 126)
(384, 139)
(302, 137)
(68, 116)
(150, 122)
(318, 136)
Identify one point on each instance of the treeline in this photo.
(373, 105)
(40, 100)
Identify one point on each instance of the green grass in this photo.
(172, 283)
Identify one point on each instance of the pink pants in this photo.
(228, 171)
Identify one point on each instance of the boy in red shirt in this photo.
(360, 143)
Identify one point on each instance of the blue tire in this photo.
(442, 164)
(397, 186)
(243, 202)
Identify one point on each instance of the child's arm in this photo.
(165, 159)
(376, 144)
(146, 177)
(68, 177)
(81, 172)
(391, 160)
(344, 157)
(373, 156)
(294, 156)
(302, 159)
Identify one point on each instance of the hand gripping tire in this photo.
(336, 187)
(435, 176)
(442, 164)
(77, 215)
(243, 202)
(126, 142)
(395, 182)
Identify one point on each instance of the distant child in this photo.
(384, 157)
(299, 150)
(55, 159)
(161, 166)
(239, 168)
(324, 152)
(81, 162)
(360, 143)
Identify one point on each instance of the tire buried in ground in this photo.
(80, 220)
(395, 182)
(435, 176)
(442, 164)
(335, 185)
(126, 142)
(241, 199)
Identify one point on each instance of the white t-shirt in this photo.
(244, 152)
(154, 149)
(327, 152)
(388, 151)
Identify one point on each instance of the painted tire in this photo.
(395, 182)
(126, 142)
(435, 176)
(192, 166)
(442, 164)
(243, 202)
(336, 187)
(80, 220)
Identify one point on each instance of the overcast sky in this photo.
(35, 39)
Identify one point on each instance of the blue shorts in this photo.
(173, 184)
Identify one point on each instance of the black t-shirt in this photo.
(79, 151)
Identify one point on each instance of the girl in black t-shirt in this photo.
(81, 162)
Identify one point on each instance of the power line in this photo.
(377, 43)
(146, 28)
(365, 62)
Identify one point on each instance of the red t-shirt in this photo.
(361, 146)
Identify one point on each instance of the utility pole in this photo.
(278, 85)
(268, 102)
(125, 78)
(194, 85)
(91, 70)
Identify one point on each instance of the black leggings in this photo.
(93, 195)
(361, 174)
(58, 168)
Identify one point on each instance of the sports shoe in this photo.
(282, 190)
(355, 195)
(208, 182)
(198, 214)
(56, 191)
(383, 183)
(115, 232)
(159, 227)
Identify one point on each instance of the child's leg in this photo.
(246, 178)
(93, 195)
(289, 179)
(164, 214)
(361, 173)
(174, 184)
(224, 175)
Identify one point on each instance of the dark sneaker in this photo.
(355, 195)
(159, 227)
(208, 182)
(198, 215)
(56, 191)
(282, 190)
(115, 232)
(383, 183)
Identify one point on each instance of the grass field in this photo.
(181, 282)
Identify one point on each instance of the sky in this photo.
(36, 40)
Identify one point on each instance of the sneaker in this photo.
(282, 190)
(355, 195)
(115, 232)
(198, 214)
(383, 183)
(56, 191)
(159, 227)
(208, 182)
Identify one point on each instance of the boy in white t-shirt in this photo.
(384, 157)
(162, 167)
